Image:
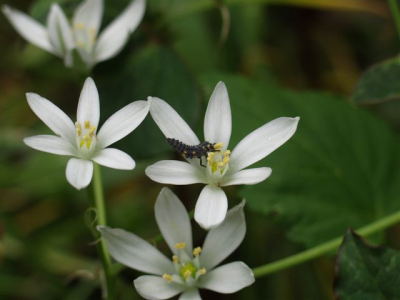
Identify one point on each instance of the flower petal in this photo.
(250, 176)
(262, 142)
(89, 14)
(114, 158)
(190, 295)
(228, 278)
(60, 33)
(29, 29)
(218, 119)
(51, 144)
(114, 37)
(79, 172)
(155, 287)
(211, 207)
(122, 122)
(173, 221)
(223, 240)
(89, 104)
(134, 252)
(52, 116)
(175, 172)
(170, 122)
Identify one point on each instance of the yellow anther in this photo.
(167, 277)
(175, 259)
(81, 143)
(180, 245)
(227, 153)
(79, 25)
(187, 274)
(78, 128)
(210, 157)
(225, 161)
(218, 146)
(202, 271)
(87, 124)
(92, 130)
(196, 251)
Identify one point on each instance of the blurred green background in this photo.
(278, 58)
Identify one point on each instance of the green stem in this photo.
(324, 248)
(394, 8)
(97, 201)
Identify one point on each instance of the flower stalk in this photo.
(97, 202)
(320, 250)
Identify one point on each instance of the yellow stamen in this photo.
(180, 245)
(175, 259)
(210, 157)
(202, 271)
(227, 153)
(218, 146)
(81, 143)
(225, 161)
(92, 33)
(92, 130)
(87, 124)
(196, 251)
(167, 277)
(79, 25)
(78, 128)
(187, 274)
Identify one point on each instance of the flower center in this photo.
(218, 162)
(86, 137)
(84, 37)
(187, 269)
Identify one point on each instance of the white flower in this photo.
(189, 269)
(81, 139)
(223, 168)
(61, 38)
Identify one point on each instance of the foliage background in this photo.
(279, 58)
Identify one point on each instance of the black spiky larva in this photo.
(193, 151)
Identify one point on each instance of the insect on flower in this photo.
(194, 151)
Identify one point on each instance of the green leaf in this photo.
(365, 272)
(153, 71)
(339, 170)
(380, 83)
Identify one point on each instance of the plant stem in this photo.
(395, 10)
(97, 202)
(324, 248)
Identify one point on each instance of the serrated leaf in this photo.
(380, 83)
(339, 170)
(365, 272)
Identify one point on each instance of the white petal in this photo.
(223, 240)
(114, 158)
(89, 13)
(51, 144)
(170, 122)
(211, 207)
(228, 278)
(218, 119)
(29, 28)
(190, 295)
(53, 117)
(175, 172)
(86, 57)
(110, 43)
(173, 221)
(122, 123)
(89, 104)
(155, 287)
(262, 142)
(250, 176)
(60, 33)
(79, 172)
(114, 37)
(134, 252)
